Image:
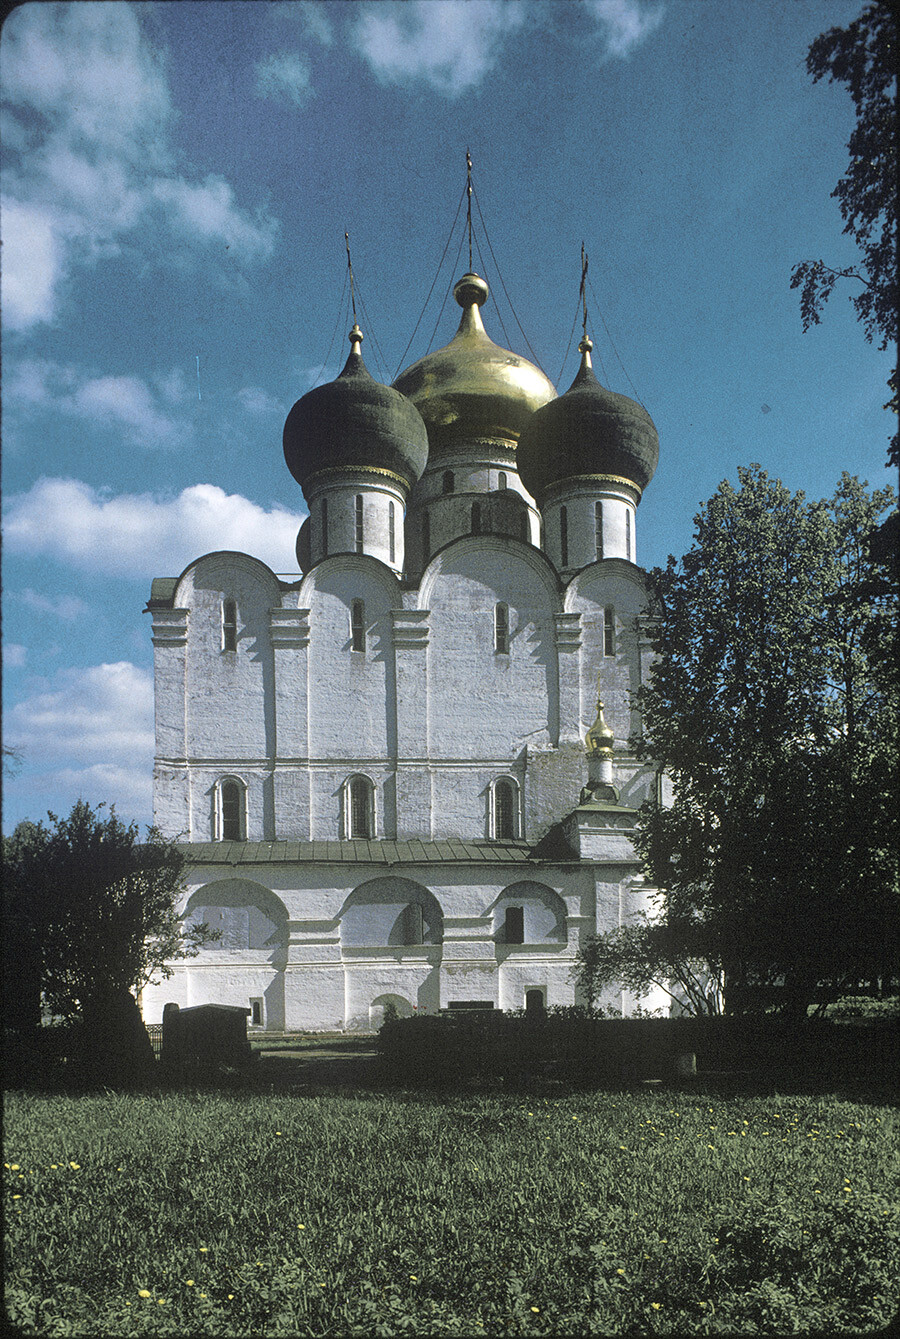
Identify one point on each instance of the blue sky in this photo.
(177, 181)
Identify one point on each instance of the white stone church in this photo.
(390, 775)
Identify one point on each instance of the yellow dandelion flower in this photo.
(76, 1166)
(13, 1166)
(656, 1305)
(414, 1277)
(202, 1294)
(143, 1292)
(189, 1283)
(203, 1250)
(302, 1227)
(54, 1166)
(620, 1271)
(161, 1301)
(536, 1310)
(17, 1197)
(231, 1297)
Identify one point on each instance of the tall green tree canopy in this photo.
(773, 708)
(864, 57)
(91, 911)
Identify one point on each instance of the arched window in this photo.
(563, 537)
(609, 632)
(447, 482)
(598, 529)
(476, 518)
(392, 545)
(324, 515)
(628, 534)
(359, 807)
(501, 629)
(505, 809)
(501, 480)
(231, 807)
(358, 626)
(229, 625)
(359, 523)
(514, 925)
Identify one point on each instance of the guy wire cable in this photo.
(447, 293)
(569, 345)
(431, 289)
(333, 333)
(615, 350)
(502, 284)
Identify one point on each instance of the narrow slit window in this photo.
(504, 810)
(523, 527)
(476, 518)
(501, 629)
(360, 807)
(448, 483)
(628, 535)
(426, 537)
(357, 626)
(564, 536)
(324, 527)
(598, 529)
(609, 632)
(392, 542)
(230, 799)
(514, 925)
(501, 480)
(229, 625)
(256, 1013)
(359, 523)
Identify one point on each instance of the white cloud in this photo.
(138, 535)
(145, 413)
(89, 124)
(257, 401)
(88, 733)
(14, 655)
(311, 13)
(102, 714)
(624, 24)
(286, 77)
(449, 44)
(69, 608)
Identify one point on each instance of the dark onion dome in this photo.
(587, 431)
(355, 422)
(472, 388)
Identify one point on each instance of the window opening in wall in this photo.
(564, 536)
(414, 925)
(256, 1013)
(534, 1000)
(359, 523)
(391, 533)
(357, 626)
(501, 629)
(324, 527)
(230, 800)
(426, 537)
(476, 518)
(501, 480)
(523, 527)
(504, 810)
(598, 529)
(229, 625)
(360, 815)
(628, 534)
(514, 925)
(609, 632)
(447, 482)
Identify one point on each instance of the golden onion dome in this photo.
(472, 388)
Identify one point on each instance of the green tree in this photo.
(772, 709)
(91, 916)
(864, 57)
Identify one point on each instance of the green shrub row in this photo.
(574, 1047)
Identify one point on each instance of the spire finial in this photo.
(350, 268)
(584, 348)
(599, 739)
(469, 203)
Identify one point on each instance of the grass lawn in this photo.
(368, 1213)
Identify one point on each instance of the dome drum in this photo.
(585, 522)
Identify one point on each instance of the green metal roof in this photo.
(357, 852)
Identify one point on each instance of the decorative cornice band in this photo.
(568, 631)
(334, 473)
(617, 479)
(289, 627)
